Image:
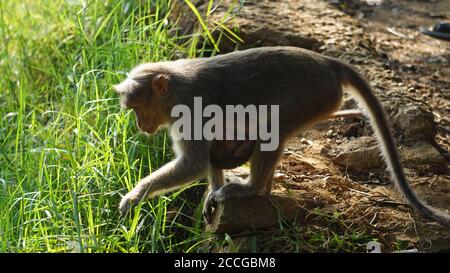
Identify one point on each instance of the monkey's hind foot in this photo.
(233, 179)
(226, 192)
(208, 208)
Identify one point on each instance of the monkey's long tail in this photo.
(363, 92)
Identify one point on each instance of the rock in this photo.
(363, 154)
(241, 171)
(422, 153)
(252, 29)
(260, 212)
(412, 119)
(358, 154)
(267, 30)
(269, 36)
(352, 130)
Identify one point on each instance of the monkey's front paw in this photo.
(129, 201)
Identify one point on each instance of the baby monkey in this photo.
(307, 87)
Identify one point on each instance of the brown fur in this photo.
(307, 87)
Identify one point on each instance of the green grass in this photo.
(68, 152)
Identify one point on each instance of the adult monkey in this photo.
(307, 87)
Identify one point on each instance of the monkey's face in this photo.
(147, 120)
(144, 98)
(148, 110)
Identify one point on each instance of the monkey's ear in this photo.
(160, 84)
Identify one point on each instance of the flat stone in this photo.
(364, 154)
(359, 154)
(412, 119)
(422, 153)
(260, 212)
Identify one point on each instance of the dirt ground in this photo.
(384, 44)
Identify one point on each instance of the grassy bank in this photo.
(67, 151)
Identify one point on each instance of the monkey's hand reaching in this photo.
(131, 200)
